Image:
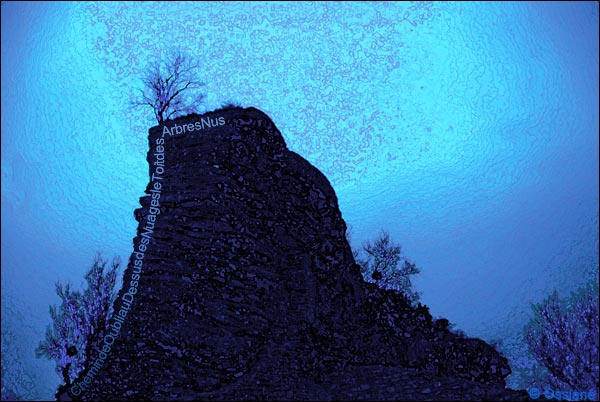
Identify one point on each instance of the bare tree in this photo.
(563, 337)
(171, 88)
(80, 322)
(385, 266)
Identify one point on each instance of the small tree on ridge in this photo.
(385, 266)
(171, 88)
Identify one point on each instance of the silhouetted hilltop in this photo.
(243, 286)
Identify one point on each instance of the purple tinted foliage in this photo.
(563, 336)
(79, 323)
(9, 395)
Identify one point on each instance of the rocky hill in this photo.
(242, 286)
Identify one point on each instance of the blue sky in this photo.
(468, 131)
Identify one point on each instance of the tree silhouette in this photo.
(385, 266)
(171, 88)
(563, 337)
(79, 323)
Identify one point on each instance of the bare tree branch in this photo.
(168, 86)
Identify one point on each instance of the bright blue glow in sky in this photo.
(468, 131)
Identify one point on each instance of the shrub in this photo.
(230, 105)
(79, 323)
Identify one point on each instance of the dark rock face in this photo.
(248, 289)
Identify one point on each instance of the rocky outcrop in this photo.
(248, 290)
